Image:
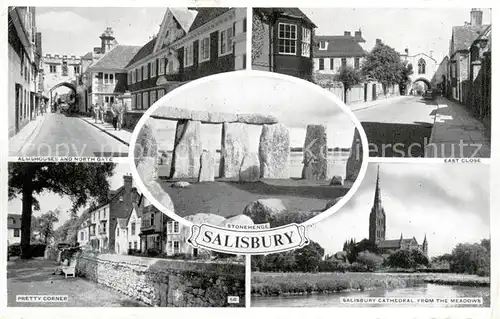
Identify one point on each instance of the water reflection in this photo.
(334, 300)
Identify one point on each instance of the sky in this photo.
(418, 29)
(447, 202)
(50, 201)
(294, 105)
(60, 26)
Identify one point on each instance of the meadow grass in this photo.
(274, 284)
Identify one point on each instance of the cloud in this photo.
(448, 203)
(64, 22)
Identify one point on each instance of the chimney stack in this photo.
(476, 17)
(107, 40)
(357, 34)
(127, 190)
(347, 33)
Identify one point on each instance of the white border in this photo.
(238, 75)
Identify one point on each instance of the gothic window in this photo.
(421, 66)
(65, 68)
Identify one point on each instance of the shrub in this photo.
(14, 250)
(370, 260)
(152, 252)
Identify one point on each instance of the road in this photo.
(398, 128)
(61, 135)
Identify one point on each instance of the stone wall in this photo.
(167, 283)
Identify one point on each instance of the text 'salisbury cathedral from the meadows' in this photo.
(378, 229)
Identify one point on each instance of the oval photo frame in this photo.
(236, 75)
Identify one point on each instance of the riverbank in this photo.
(287, 284)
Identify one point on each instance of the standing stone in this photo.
(265, 210)
(207, 167)
(234, 147)
(355, 159)
(187, 150)
(315, 153)
(274, 151)
(250, 168)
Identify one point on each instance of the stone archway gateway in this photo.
(66, 84)
(425, 81)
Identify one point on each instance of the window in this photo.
(344, 62)
(161, 69)
(161, 93)
(134, 73)
(356, 62)
(139, 101)
(76, 69)
(177, 247)
(135, 244)
(188, 55)
(322, 45)
(245, 25)
(152, 219)
(306, 42)
(109, 78)
(145, 100)
(173, 247)
(226, 39)
(82, 236)
(129, 245)
(332, 61)
(152, 97)
(287, 38)
(173, 227)
(53, 69)
(129, 78)
(105, 208)
(152, 69)
(421, 66)
(244, 61)
(132, 231)
(65, 68)
(144, 72)
(16, 232)
(321, 64)
(204, 49)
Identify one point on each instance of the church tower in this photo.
(377, 215)
(425, 245)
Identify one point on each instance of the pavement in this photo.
(124, 136)
(18, 142)
(456, 134)
(34, 277)
(63, 135)
(367, 105)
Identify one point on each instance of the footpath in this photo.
(123, 135)
(19, 141)
(35, 277)
(456, 134)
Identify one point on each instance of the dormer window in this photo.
(323, 45)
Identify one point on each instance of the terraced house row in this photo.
(191, 43)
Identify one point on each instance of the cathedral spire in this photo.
(378, 200)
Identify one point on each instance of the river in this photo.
(334, 299)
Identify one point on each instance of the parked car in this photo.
(429, 95)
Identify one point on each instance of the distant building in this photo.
(424, 68)
(377, 231)
(14, 229)
(128, 229)
(25, 77)
(462, 38)
(333, 52)
(192, 43)
(60, 70)
(84, 233)
(283, 41)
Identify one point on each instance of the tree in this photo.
(371, 260)
(383, 64)
(405, 258)
(309, 257)
(349, 77)
(81, 182)
(471, 258)
(46, 225)
(406, 71)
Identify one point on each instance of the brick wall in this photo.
(167, 283)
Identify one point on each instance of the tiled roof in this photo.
(205, 15)
(17, 221)
(339, 46)
(87, 56)
(289, 12)
(117, 58)
(464, 35)
(121, 222)
(143, 52)
(395, 243)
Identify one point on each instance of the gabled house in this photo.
(103, 218)
(128, 230)
(283, 41)
(336, 51)
(191, 43)
(13, 229)
(462, 38)
(152, 234)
